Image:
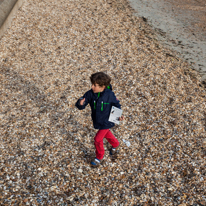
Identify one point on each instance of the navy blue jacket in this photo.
(101, 104)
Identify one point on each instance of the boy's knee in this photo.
(96, 141)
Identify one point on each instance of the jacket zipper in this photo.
(94, 104)
(95, 101)
(102, 106)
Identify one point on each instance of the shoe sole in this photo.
(97, 165)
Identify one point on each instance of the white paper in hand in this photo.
(115, 114)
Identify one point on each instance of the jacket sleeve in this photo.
(115, 101)
(87, 100)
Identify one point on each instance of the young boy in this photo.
(101, 99)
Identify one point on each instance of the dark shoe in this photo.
(95, 163)
(113, 151)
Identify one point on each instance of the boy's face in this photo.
(96, 88)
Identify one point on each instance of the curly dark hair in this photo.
(100, 78)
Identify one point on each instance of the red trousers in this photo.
(98, 142)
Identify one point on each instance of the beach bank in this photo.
(8, 10)
(180, 26)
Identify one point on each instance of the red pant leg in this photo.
(111, 139)
(98, 142)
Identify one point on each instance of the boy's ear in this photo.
(103, 88)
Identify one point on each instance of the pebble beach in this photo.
(46, 144)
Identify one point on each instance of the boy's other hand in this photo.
(121, 118)
(82, 101)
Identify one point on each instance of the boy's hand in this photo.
(121, 118)
(82, 101)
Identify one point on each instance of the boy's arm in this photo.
(80, 104)
(117, 104)
(115, 101)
